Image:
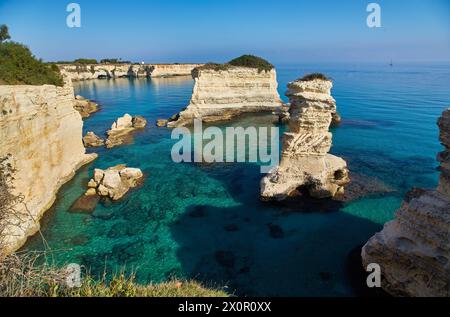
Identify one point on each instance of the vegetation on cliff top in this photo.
(18, 66)
(249, 61)
(314, 76)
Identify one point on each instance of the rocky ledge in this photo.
(114, 182)
(306, 166)
(221, 94)
(121, 130)
(92, 140)
(85, 107)
(413, 250)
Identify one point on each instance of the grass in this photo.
(18, 66)
(249, 61)
(20, 276)
(314, 76)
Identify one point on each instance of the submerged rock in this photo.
(162, 122)
(114, 182)
(226, 259)
(413, 250)
(305, 163)
(92, 140)
(120, 132)
(85, 107)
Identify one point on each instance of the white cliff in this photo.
(221, 94)
(41, 134)
(413, 250)
(305, 163)
(77, 72)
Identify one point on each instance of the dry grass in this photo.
(21, 276)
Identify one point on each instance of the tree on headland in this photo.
(4, 33)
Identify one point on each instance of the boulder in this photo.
(121, 130)
(114, 182)
(92, 140)
(85, 107)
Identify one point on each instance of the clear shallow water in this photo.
(205, 221)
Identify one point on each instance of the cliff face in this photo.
(41, 132)
(305, 164)
(95, 71)
(222, 94)
(413, 250)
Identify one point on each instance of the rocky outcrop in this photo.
(41, 133)
(85, 107)
(306, 166)
(98, 71)
(413, 250)
(92, 140)
(114, 182)
(170, 70)
(221, 94)
(121, 130)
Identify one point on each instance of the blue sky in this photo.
(283, 31)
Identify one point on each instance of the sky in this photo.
(282, 31)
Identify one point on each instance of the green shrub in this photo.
(252, 62)
(18, 66)
(249, 61)
(85, 61)
(314, 76)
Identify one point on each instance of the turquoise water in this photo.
(205, 221)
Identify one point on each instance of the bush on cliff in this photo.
(314, 76)
(249, 61)
(252, 62)
(85, 61)
(18, 66)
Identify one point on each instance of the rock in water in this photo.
(413, 250)
(120, 132)
(305, 163)
(161, 122)
(92, 140)
(85, 107)
(221, 94)
(114, 182)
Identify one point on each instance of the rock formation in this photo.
(41, 133)
(306, 165)
(161, 122)
(92, 140)
(85, 107)
(120, 132)
(221, 94)
(114, 182)
(413, 250)
(78, 72)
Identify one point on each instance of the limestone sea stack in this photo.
(92, 140)
(305, 164)
(413, 250)
(122, 128)
(41, 139)
(114, 182)
(222, 92)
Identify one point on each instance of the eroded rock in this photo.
(92, 140)
(85, 107)
(413, 250)
(305, 164)
(120, 132)
(114, 182)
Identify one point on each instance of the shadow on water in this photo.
(258, 249)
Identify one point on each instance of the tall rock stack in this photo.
(413, 250)
(305, 164)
